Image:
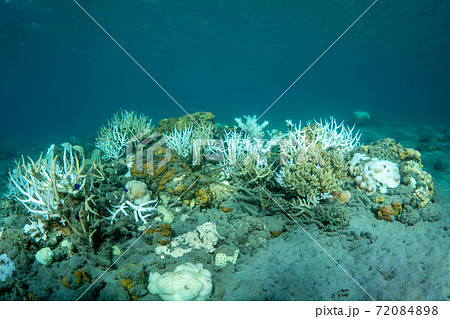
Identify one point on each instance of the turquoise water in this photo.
(66, 67)
(62, 76)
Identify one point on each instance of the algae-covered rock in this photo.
(167, 125)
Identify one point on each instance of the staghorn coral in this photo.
(312, 161)
(50, 187)
(123, 128)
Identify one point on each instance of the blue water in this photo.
(62, 76)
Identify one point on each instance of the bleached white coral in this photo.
(205, 236)
(191, 140)
(311, 160)
(188, 282)
(36, 230)
(39, 184)
(180, 141)
(328, 134)
(122, 129)
(140, 211)
(239, 149)
(340, 137)
(255, 130)
(112, 141)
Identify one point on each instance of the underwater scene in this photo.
(226, 150)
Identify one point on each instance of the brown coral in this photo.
(385, 213)
(165, 230)
(389, 149)
(310, 179)
(160, 235)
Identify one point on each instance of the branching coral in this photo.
(321, 173)
(39, 184)
(255, 130)
(189, 142)
(180, 141)
(125, 127)
(312, 160)
(139, 210)
(45, 186)
(241, 154)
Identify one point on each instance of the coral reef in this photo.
(49, 188)
(199, 206)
